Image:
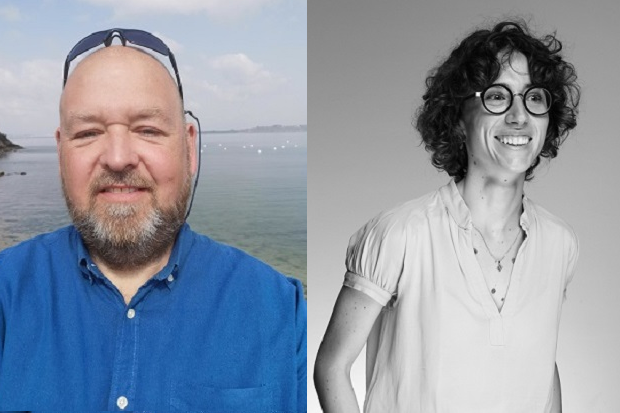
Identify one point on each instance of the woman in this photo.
(458, 294)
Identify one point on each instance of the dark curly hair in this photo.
(475, 64)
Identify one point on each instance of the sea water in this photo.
(251, 194)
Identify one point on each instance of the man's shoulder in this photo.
(231, 264)
(52, 242)
(35, 259)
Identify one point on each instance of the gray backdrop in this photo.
(367, 64)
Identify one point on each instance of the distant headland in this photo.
(265, 129)
(6, 145)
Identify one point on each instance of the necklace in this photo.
(497, 260)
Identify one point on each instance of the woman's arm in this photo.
(556, 407)
(353, 317)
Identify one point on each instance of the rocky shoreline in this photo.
(6, 145)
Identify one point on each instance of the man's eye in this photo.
(150, 132)
(86, 134)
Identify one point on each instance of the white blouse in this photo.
(440, 344)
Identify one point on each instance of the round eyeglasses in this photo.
(497, 99)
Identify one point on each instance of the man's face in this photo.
(126, 154)
(505, 145)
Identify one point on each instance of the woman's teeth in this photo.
(514, 140)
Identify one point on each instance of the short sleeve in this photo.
(573, 255)
(375, 258)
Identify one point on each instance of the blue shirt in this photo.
(215, 330)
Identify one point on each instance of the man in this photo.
(128, 308)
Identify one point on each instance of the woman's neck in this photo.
(495, 205)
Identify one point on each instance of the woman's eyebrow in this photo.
(506, 85)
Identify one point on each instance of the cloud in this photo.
(173, 45)
(30, 91)
(10, 13)
(241, 78)
(216, 8)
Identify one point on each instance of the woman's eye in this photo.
(496, 96)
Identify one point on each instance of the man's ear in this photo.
(191, 136)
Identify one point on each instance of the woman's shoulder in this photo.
(546, 219)
(407, 215)
(554, 228)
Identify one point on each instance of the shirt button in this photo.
(131, 313)
(170, 278)
(122, 402)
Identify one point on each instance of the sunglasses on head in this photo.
(133, 36)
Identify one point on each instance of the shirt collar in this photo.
(458, 210)
(181, 246)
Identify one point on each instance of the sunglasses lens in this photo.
(86, 44)
(145, 39)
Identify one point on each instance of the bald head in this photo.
(121, 71)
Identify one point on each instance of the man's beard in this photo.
(126, 236)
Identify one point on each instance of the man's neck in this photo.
(129, 280)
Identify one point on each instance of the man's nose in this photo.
(119, 152)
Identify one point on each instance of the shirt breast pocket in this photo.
(201, 398)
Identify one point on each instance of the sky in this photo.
(367, 65)
(243, 63)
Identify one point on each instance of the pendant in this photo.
(493, 291)
(475, 251)
(499, 266)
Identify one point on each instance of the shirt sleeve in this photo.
(375, 258)
(572, 260)
(3, 302)
(302, 346)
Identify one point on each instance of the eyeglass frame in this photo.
(107, 36)
(512, 95)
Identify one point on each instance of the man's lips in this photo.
(121, 193)
(121, 189)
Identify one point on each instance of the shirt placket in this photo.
(125, 368)
(476, 279)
